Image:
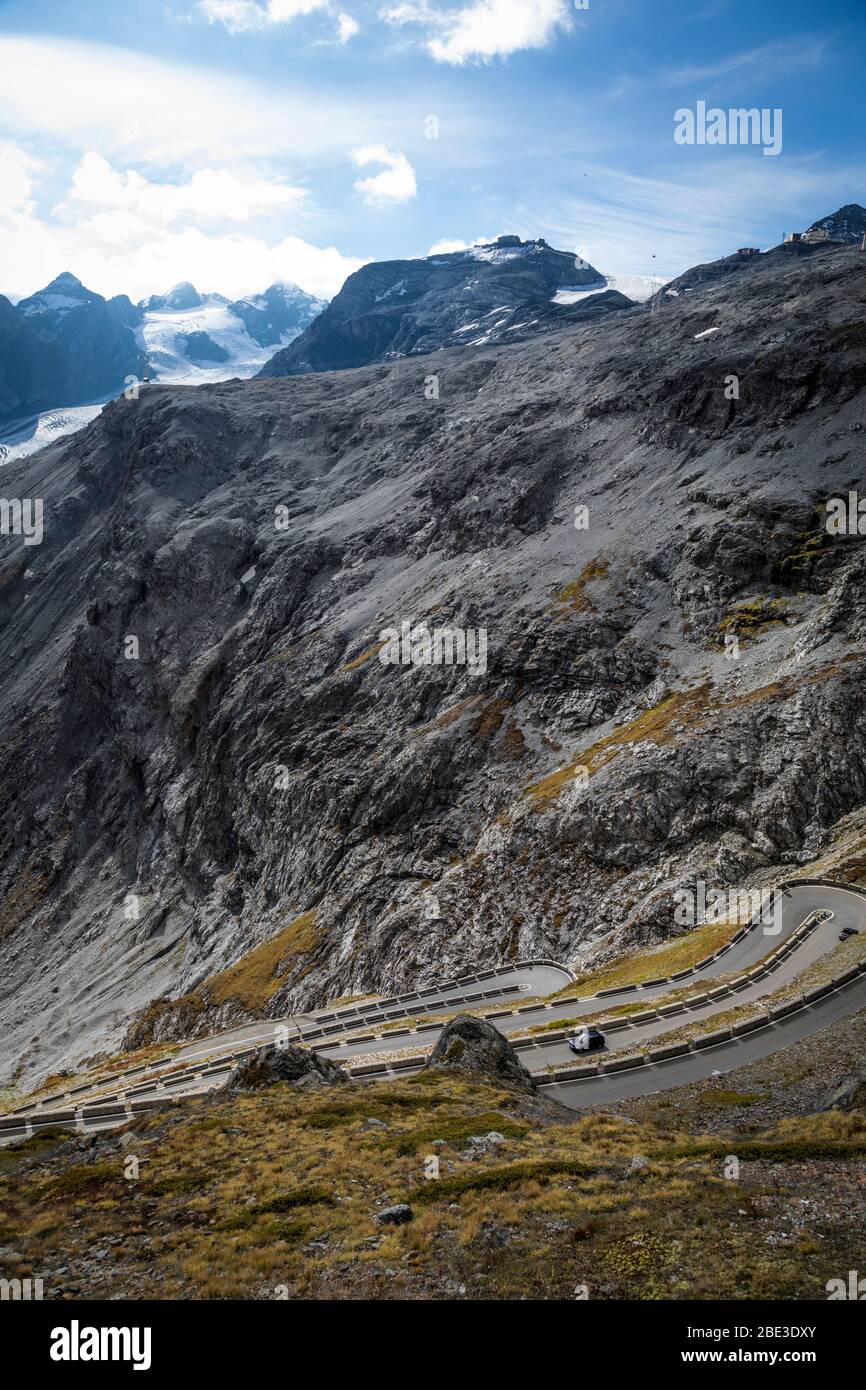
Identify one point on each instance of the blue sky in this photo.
(234, 142)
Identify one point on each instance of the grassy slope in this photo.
(239, 1195)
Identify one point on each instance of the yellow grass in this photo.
(257, 976)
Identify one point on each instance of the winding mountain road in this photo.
(764, 956)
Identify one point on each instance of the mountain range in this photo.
(221, 801)
(66, 345)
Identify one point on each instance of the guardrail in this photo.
(741, 982)
(154, 1069)
(591, 1070)
(186, 1074)
(618, 1024)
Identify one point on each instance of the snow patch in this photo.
(58, 303)
(398, 289)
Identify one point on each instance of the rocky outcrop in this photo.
(474, 1045)
(200, 347)
(298, 1066)
(181, 296)
(847, 1093)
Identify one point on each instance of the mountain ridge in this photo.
(486, 294)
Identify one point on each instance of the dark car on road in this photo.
(586, 1040)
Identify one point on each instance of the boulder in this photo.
(397, 1215)
(299, 1066)
(473, 1044)
(848, 1093)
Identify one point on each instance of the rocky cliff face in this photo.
(488, 294)
(217, 796)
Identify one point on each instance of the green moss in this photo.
(637, 1256)
(809, 547)
(798, 1150)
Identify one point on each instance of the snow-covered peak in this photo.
(63, 293)
(179, 298)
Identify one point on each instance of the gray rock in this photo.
(487, 1141)
(397, 1215)
(848, 1093)
(474, 1045)
(296, 1065)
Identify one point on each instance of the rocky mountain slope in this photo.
(218, 801)
(847, 224)
(487, 294)
(62, 346)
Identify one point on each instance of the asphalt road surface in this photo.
(353, 1033)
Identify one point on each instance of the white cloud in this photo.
(142, 109)
(483, 29)
(683, 221)
(780, 56)
(445, 248)
(411, 12)
(210, 195)
(16, 180)
(242, 16)
(135, 242)
(395, 184)
(347, 28)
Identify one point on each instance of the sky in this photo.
(234, 143)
